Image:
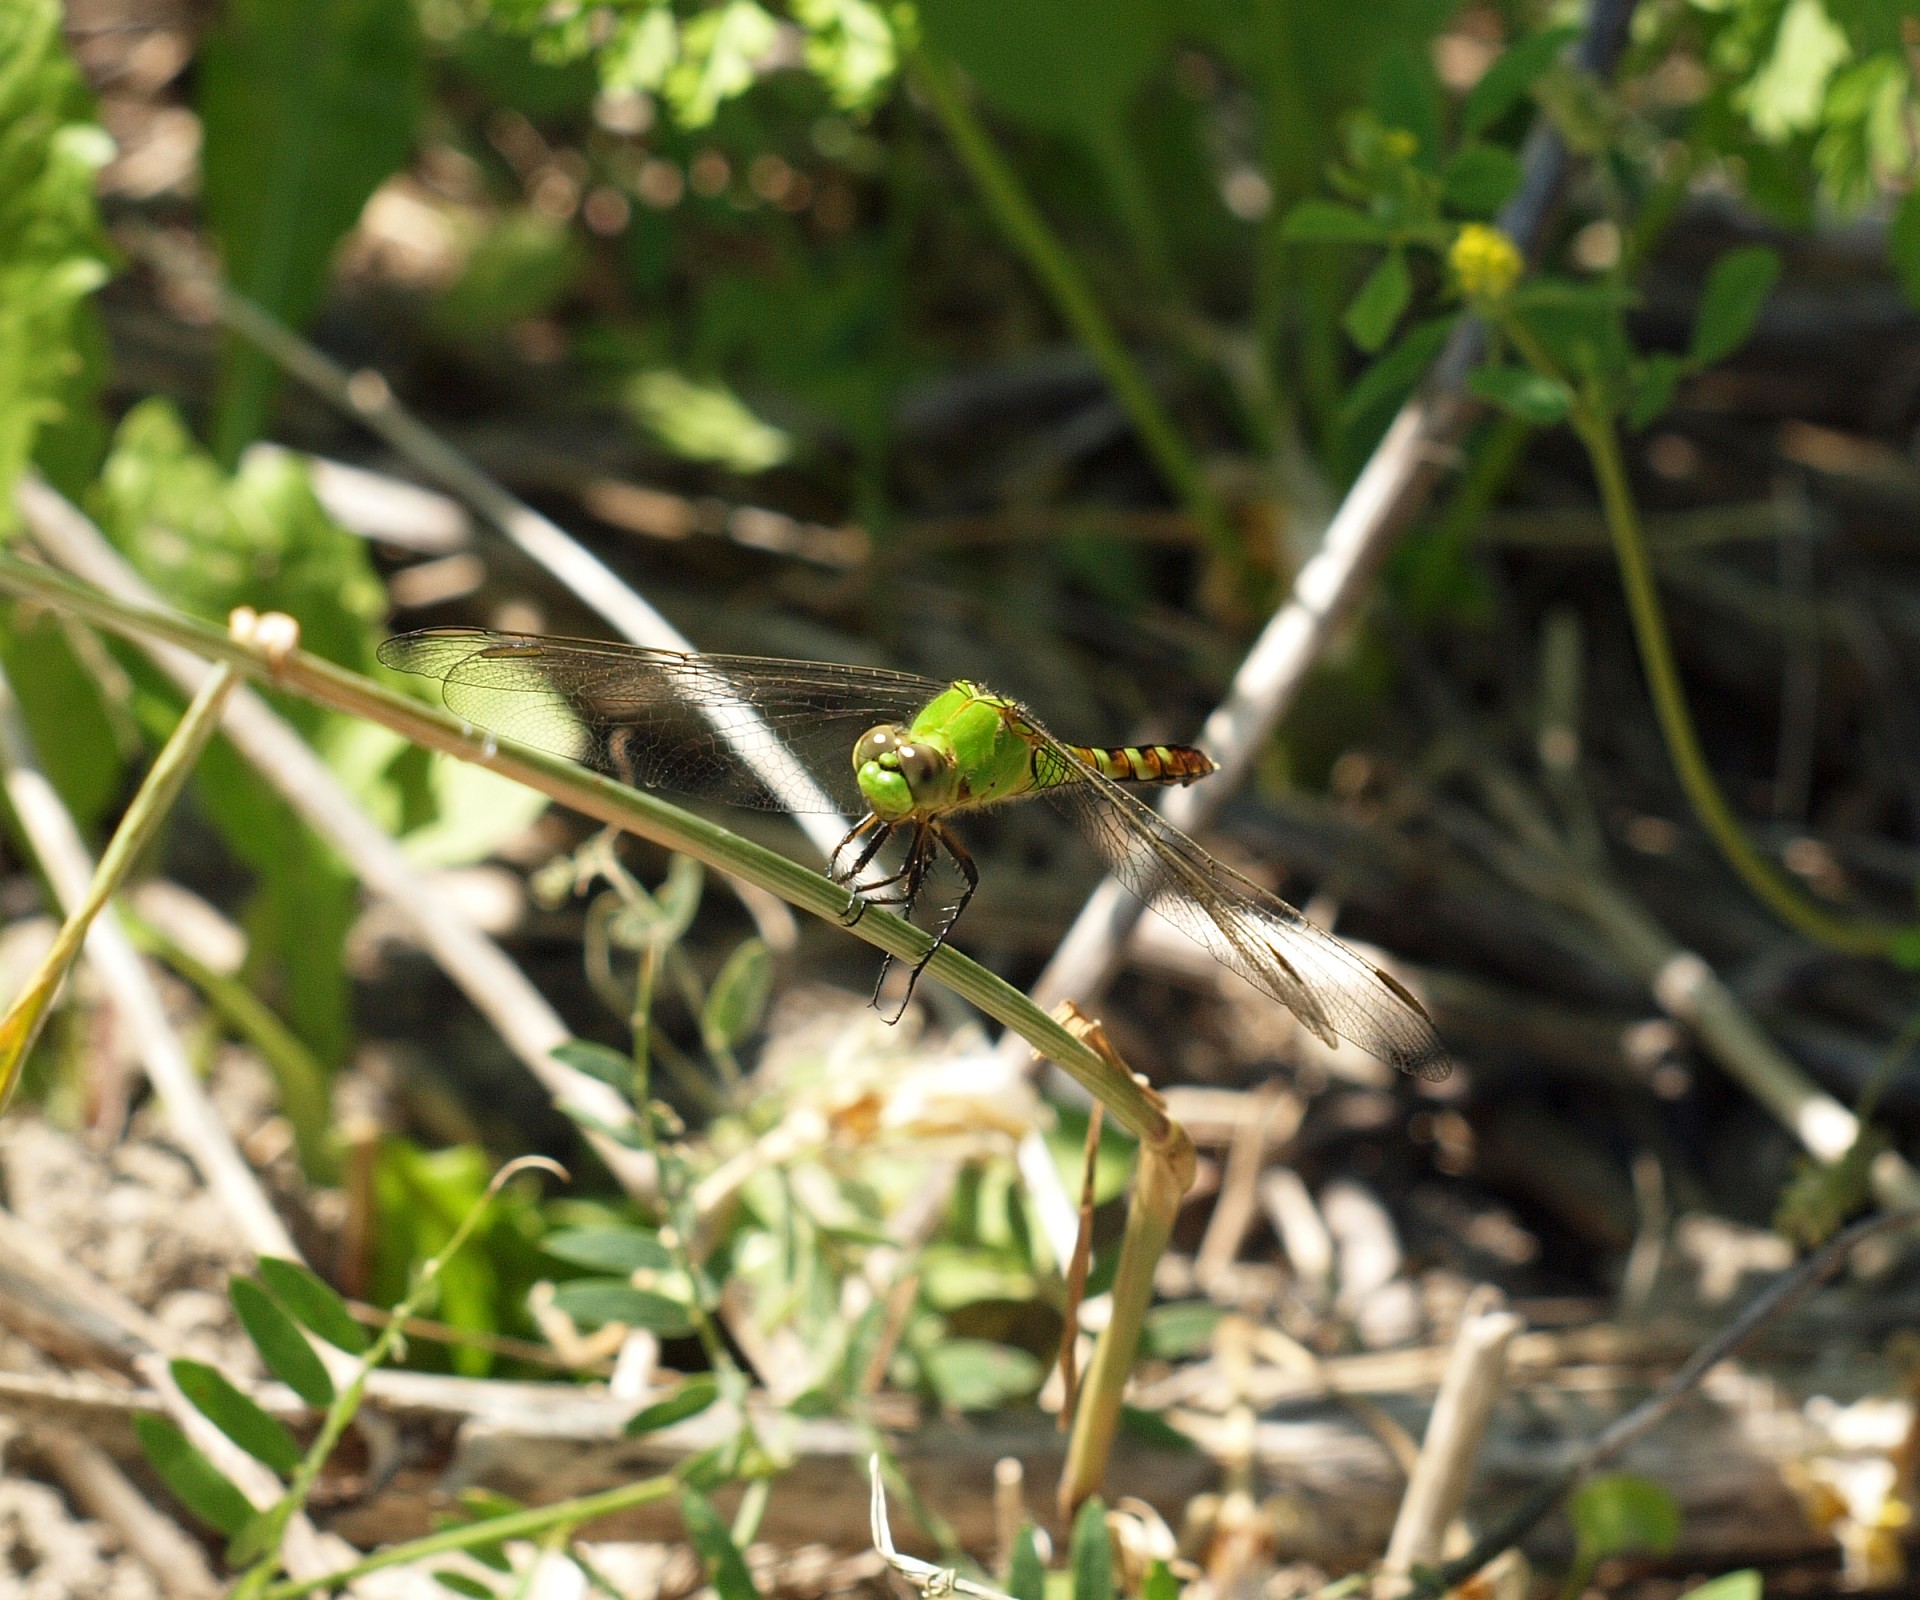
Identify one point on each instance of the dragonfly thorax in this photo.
(900, 774)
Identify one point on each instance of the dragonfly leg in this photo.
(857, 897)
(961, 859)
(912, 874)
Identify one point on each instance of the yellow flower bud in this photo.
(1485, 262)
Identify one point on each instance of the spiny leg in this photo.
(857, 900)
(969, 872)
(913, 872)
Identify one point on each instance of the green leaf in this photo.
(522, 266)
(1785, 95)
(1530, 396)
(1651, 388)
(689, 1398)
(1511, 76)
(196, 1482)
(280, 1342)
(1387, 381)
(1324, 222)
(237, 1416)
(1065, 66)
(461, 1584)
(1742, 1585)
(1903, 247)
(705, 422)
(718, 50)
(1480, 179)
(51, 249)
(610, 1249)
(597, 1061)
(593, 1301)
(1159, 1583)
(738, 998)
(726, 1567)
(1377, 307)
(1737, 287)
(1091, 1553)
(1180, 1329)
(1619, 1512)
(314, 1303)
(978, 1374)
(1026, 1574)
(307, 106)
(1151, 1427)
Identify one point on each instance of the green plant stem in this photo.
(23, 1020)
(1165, 1175)
(518, 1525)
(1593, 422)
(1073, 298)
(606, 801)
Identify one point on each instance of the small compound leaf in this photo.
(738, 999)
(1378, 305)
(1323, 222)
(282, 1346)
(460, 1583)
(314, 1304)
(1502, 85)
(1530, 396)
(1092, 1553)
(594, 1301)
(196, 1482)
(609, 1249)
(1026, 1574)
(237, 1416)
(1389, 378)
(1480, 179)
(1742, 1585)
(688, 1399)
(726, 1567)
(977, 1374)
(1650, 390)
(596, 1061)
(1736, 288)
(1619, 1512)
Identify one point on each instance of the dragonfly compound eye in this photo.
(875, 743)
(920, 766)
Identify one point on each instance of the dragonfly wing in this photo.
(1332, 989)
(747, 730)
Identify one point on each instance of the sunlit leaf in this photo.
(314, 1303)
(1026, 1574)
(236, 1415)
(1091, 1553)
(691, 1397)
(1619, 1512)
(705, 422)
(196, 1482)
(593, 1301)
(609, 1249)
(726, 1568)
(977, 1374)
(280, 1342)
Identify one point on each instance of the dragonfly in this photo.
(908, 755)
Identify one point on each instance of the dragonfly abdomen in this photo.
(1147, 763)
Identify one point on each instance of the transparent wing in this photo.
(1330, 988)
(748, 730)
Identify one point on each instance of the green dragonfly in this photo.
(906, 755)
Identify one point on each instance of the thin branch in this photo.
(1773, 1301)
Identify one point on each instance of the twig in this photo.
(497, 988)
(933, 1582)
(1389, 492)
(1778, 1297)
(1476, 1371)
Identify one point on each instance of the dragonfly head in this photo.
(897, 773)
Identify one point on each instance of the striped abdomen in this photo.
(1147, 763)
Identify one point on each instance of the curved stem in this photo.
(1857, 936)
